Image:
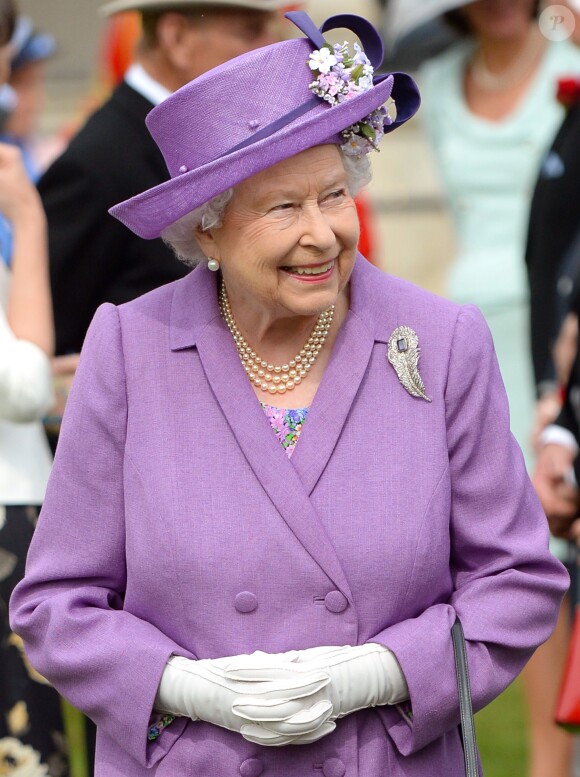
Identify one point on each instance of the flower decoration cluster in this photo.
(340, 76)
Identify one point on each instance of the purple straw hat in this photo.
(252, 112)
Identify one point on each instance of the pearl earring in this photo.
(213, 265)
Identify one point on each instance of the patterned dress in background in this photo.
(32, 742)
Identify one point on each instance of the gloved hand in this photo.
(201, 690)
(363, 676)
(360, 677)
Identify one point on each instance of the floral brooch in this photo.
(568, 91)
(340, 76)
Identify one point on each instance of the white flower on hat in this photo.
(364, 83)
(356, 146)
(322, 60)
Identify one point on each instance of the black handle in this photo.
(467, 726)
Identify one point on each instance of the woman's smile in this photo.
(311, 273)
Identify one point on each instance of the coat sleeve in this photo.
(506, 586)
(69, 607)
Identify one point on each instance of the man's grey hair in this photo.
(180, 235)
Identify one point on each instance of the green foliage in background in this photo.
(74, 726)
(501, 735)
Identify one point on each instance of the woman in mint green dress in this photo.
(491, 112)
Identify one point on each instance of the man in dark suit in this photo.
(552, 254)
(553, 260)
(93, 258)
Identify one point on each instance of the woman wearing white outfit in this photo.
(25, 341)
(30, 716)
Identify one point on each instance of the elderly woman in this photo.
(199, 593)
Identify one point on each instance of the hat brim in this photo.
(148, 214)
(117, 6)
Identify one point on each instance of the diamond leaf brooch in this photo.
(403, 353)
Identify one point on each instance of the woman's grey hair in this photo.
(180, 236)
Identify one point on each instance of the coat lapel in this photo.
(205, 329)
(336, 393)
(342, 378)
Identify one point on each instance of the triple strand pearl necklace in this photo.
(276, 378)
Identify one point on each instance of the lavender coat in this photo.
(175, 524)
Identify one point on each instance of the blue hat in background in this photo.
(29, 45)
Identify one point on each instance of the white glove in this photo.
(201, 690)
(362, 676)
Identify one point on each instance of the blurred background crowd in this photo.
(477, 199)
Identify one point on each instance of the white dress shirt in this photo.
(139, 80)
